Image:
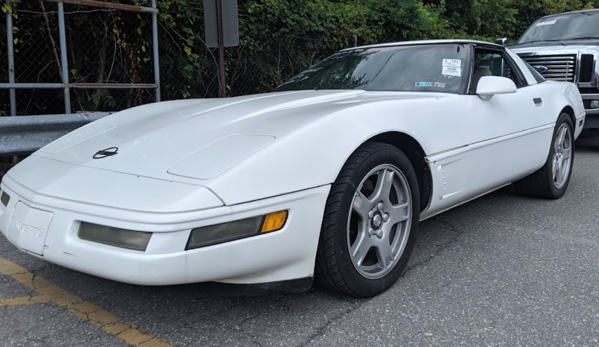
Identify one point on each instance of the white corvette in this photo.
(325, 178)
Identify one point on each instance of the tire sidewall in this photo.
(563, 118)
(361, 285)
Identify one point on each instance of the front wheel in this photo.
(370, 222)
(551, 181)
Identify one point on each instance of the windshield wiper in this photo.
(585, 38)
(537, 41)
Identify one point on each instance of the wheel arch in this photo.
(570, 111)
(416, 154)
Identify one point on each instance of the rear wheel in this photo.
(370, 222)
(551, 181)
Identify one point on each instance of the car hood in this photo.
(555, 43)
(557, 47)
(201, 139)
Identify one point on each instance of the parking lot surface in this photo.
(502, 270)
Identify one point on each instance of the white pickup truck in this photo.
(565, 47)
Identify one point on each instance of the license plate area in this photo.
(28, 227)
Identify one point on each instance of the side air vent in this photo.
(586, 68)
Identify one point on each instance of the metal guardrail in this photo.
(26, 134)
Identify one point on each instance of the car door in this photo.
(506, 137)
(511, 130)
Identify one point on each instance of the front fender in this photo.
(314, 154)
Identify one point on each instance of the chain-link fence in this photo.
(115, 47)
(111, 47)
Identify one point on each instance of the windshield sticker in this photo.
(451, 71)
(549, 22)
(424, 84)
(430, 84)
(452, 62)
(452, 67)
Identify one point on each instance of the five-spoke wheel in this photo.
(562, 160)
(379, 221)
(551, 181)
(370, 222)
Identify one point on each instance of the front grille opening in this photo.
(554, 67)
(588, 90)
(586, 68)
(5, 198)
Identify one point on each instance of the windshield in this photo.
(571, 26)
(434, 68)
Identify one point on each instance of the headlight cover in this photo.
(239, 229)
(123, 238)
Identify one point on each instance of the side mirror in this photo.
(491, 85)
(502, 41)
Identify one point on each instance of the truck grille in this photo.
(559, 67)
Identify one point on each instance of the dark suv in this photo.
(565, 47)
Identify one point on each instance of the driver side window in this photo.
(492, 63)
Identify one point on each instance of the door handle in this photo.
(537, 101)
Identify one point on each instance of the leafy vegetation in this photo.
(278, 39)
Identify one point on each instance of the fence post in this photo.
(11, 65)
(63, 58)
(11, 58)
(155, 49)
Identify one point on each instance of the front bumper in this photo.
(278, 256)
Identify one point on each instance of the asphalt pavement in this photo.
(502, 270)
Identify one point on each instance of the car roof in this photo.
(428, 42)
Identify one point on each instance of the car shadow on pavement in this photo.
(588, 143)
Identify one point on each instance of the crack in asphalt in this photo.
(439, 247)
(323, 329)
(279, 303)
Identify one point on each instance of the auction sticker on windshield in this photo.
(452, 67)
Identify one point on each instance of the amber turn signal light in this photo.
(274, 221)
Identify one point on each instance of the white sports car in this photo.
(325, 178)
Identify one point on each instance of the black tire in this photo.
(334, 268)
(542, 183)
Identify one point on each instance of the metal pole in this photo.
(155, 49)
(11, 58)
(221, 49)
(63, 58)
(11, 66)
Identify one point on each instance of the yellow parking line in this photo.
(86, 311)
(24, 300)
